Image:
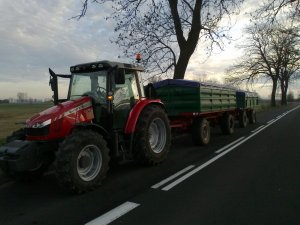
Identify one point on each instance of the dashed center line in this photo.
(258, 128)
(227, 146)
(172, 177)
(113, 214)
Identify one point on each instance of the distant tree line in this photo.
(4, 101)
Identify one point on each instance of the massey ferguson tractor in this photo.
(106, 116)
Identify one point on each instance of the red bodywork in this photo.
(62, 118)
(136, 111)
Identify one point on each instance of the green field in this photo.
(10, 114)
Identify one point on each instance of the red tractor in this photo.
(106, 116)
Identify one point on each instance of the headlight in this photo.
(42, 124)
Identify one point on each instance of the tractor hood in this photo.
(60, 119)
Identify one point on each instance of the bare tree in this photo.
(270, 54)
(166, 32)
(290, 61)
(272, 9)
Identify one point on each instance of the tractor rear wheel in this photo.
(227, 124)
(152, 136)
(201, 132)
(82, 161)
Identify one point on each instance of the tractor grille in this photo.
(37, 131)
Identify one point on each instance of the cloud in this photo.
(36, 35)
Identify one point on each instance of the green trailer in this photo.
(246, 100)
(184, 96)
(196, 106)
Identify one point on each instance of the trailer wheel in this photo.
(201, 132)
(152, 137)
(227, 124)
(243, 119)
(252, 116)
(82, 161)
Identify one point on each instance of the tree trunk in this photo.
(273, 95)
(284, 88)
(181, 65)
(283, 98)
(187, 45)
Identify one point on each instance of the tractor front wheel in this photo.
(152, 136)
(82, 161)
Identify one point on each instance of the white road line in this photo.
(227, 146)
(181, 179)
(270, 121)
(278, 117)
(113, 214)
(257, 128)
(172, 177)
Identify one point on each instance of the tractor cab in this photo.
(113, 87)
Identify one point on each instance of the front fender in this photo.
(101, 130)
(136, 111)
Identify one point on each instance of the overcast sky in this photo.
(38, 34)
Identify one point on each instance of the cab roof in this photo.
(100, 65)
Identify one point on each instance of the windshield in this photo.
(92, 84)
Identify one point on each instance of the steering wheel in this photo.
(102, 94)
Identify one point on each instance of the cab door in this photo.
(125, 97)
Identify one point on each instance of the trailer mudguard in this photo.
(136, 111)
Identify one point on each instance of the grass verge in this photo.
(13, 115)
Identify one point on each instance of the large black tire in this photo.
(201, 132)
(152, 138)
(82, 161)
(227, 124)
(252, 116)
(243, 119)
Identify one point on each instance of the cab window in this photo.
(125, 93)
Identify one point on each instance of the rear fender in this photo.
(136, 111)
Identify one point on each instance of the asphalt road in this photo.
(250, 177)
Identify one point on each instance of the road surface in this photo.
(250, 177)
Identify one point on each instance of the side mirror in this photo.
(120, 76)
(53, 80)
(52, 83)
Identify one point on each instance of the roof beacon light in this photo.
(138, 57)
